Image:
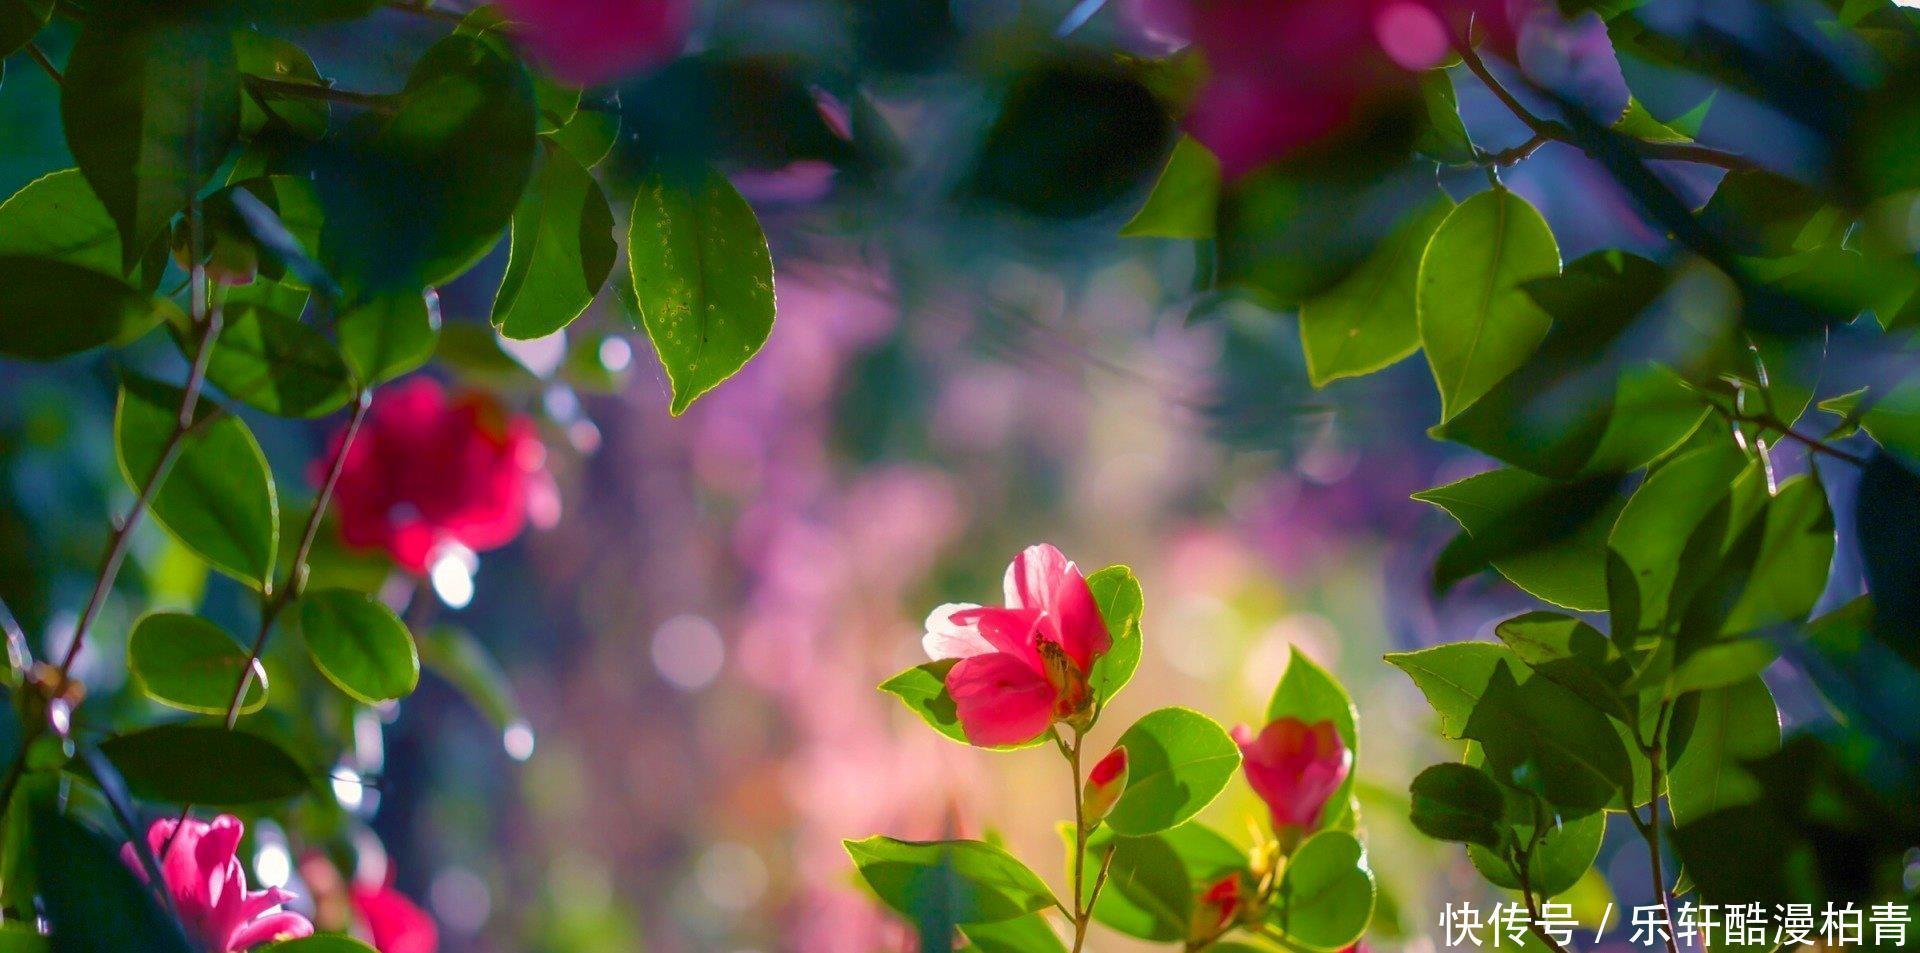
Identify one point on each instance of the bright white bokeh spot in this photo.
(541, 355)
(688, 652)
(348, 789)
(452, 575)
(731, 876)
(461, 900)
(615, 354)
(272, 865)
(518, 740)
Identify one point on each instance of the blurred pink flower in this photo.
(1295, 767)
(1217, 907)
(1285, 74)
(590, 42)
(396, 923)
(429, 470)
(1025, 665)
(209, 886)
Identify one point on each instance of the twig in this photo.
(1079, 843)
(1813, 444)
(286, 87)
(39, 56)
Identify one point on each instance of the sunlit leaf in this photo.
(186, 662)
(1178, 762)
(359, 645)
(1476, 321)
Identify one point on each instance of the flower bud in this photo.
(1295, 767)
(1215, 909)
(1104, 784)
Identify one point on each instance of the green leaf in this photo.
(269, 359)
(1539, 737)
(1735, 724)
(96, 904)
(359, 645)
(588, 136)
(1029, 934)
(16, 937)
(1789, 571)
(1648, 543)
(455, 655)
(1887, 514)
(1185, 199)
(1566, 850)
(1326, 896)
(992, 885)
(1576, 655)
(204, 764)
(1452, 676)
(1121, 603)
(1546, 537)
(1444, 137)
(1720, 664)
(1891, 415)
(1310, 693)
(57, 216)
(1455, 802)
(560, 253)
(415, 197)
(1368, 320)
(322, 943)
(186, 662)
(1178, 761)
(19, 21)
(57, 308)
(923, 689)
(1476, 321)
(265, 110)
(218, 496)
(386, 337)
(703, 277)
(1148, 892)
(151, 104)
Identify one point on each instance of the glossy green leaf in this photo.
(383, 338)
(1578, 656)
(269, 359)
(1148, 893)
(1456, 802)
(923, 689)
(1891, 415)
(1369, 319)
(703, 277)
(150, 105)
(588, 136)
(96, 904)
(204, 764)
(991, 885)
(1186, 198)
(1648, 543)
(1452, 676)
(57, 216)
(1735, 724)
(1539, 737)
(1029, 934)
(56, 308)
(561, 250)
(1723, 663)
(1178, 761)
(1326, 896)
(218, 496)
(359, 645)
(1121, 603)
(1565, 851)
(465, 124)
(1444, 137)
(1546, 537)
(186, 662)
(1476, 321)
(1789, 570)
(265, 110)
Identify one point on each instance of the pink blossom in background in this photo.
(1295, 768)
(1025, 665)
(393, 921)
(591, 42)
(430, 470)
(209, 886)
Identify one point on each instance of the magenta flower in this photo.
(209, 886)
(1023, 666)
(394, 922)
(1294, 767)
(590, 42)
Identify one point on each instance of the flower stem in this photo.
(1080, 911)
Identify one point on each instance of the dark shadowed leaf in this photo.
(991, 885)
(56, 308)
(383, 338)
(96, 905)
(1457, 802)
(1546, 537)
(204, 764)
(1368, 320)
(1541, 738)
(1888, 516)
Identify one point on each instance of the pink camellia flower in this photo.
(1024, 666)
(1285, 74)
(1104, 784)
(209, 886)
(394, 922)
(430, 471)
(1294, 767)
(590, 42)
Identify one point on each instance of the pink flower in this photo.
(209, 886)
(1104, 784)
(1294, 767)
(1024, 666)
(428, 471)
(396, 923)
(590, 42)
(1286, 74)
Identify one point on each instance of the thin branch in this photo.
(1080, 913)
(1813, 444)
(39, 56)
(377, 102)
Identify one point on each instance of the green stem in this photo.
(1080, 910)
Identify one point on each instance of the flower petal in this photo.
(1000, 700)
(1008, 630)
(285, 925)
(947, 639)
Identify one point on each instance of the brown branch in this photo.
(39, 56)
(377, 102)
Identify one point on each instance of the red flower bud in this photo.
(1104, 784)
